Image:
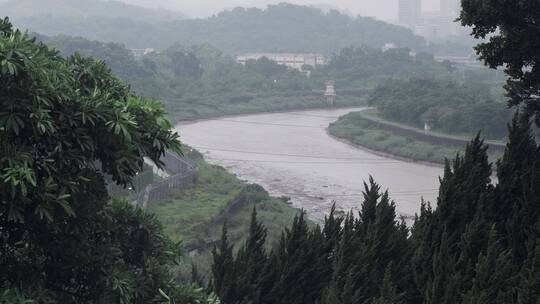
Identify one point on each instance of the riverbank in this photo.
(368, 131)
(196, 215)
(290, 154)
(431, 136)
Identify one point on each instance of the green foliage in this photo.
(513, 36)
(366, 63)
(200, 81)
(187, 294)
(445, 105)
(388, 292)
(494, 277)
(251, 261)
(60, 119)
(64, 124)
(348, 263)
(14, 296)
(480, 245)
(195, 215)
(223, 281)
(74, 112)
(117, 57)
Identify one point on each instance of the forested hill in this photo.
(287, 27)
(282, 27)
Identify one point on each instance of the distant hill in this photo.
(27, 9)
(278, 28)
(293, 28)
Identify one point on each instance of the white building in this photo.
(388, 46)
(292, 60)
(142, 52)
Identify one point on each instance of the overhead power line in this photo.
(293, 155)
(268, 123)
(401, 194)
(307, 162)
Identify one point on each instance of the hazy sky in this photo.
(381, 9)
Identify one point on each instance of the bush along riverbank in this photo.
(360, 129)
(195, 215)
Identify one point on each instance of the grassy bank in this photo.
(358, 130)
(374, 114)
(195, 216)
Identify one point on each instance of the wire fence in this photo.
(183, 175)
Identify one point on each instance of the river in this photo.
(291, 154)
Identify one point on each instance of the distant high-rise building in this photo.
(409, 12)
(450, 8)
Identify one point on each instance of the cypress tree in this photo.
(389, 293)
(342, 263)
(455, 232)
(223, 276)
(368, 245)
(529, 286)
(462, 187)
(422, 241)
(299, 261)
(250, 262)
(268, 279)
(495, 279)
(332, 232)
(474, 241)
(518, 199)
(368, 211)
(441, 288)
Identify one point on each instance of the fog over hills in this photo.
(18, 9)
(277, 28)
(380, 9)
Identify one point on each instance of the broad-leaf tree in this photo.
(512, 29)
(65, 124)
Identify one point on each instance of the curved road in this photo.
(291, 154)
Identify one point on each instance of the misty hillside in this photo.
(282, 27)
(38, 9)
(287, 27)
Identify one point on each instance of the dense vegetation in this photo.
(479, 245)
(412, 91)
(281, 27)
(513, 44)
(292, 28)
(446, 106)
(365, 65)
(201, 81)
(66, 124)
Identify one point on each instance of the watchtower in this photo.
(330, 93)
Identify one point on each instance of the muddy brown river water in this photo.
(291, 154)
